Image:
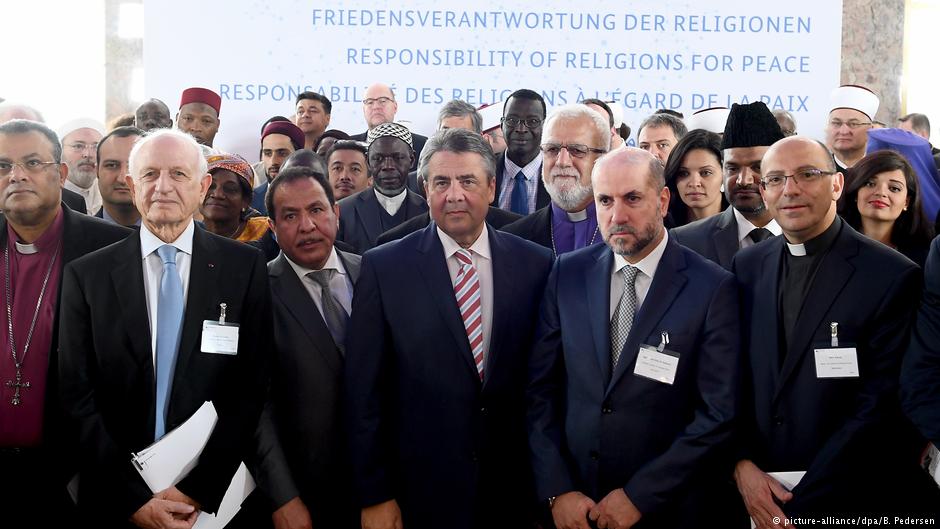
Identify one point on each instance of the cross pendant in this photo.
(16, 385)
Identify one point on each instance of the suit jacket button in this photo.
(606, 410)
(594, 455)
(778, 420)
(483, 409)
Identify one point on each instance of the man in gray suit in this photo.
(301, 467)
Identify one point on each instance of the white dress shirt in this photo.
(532, 176)
(92, 196)
(483, 262)
(153, 271)
(745, 227)
(340, 286)
(391, 204)
(644, 278)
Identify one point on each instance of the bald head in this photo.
(379, 105)
(630, 156)
(820, 153)
(11, 111)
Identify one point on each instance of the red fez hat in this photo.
(288, 129)
(201, 95)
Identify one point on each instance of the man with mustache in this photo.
(303, 469)
(117, 203)
(80, 139)
(633, 378)
(348, 166)
(38, 236)
(573, 138)
(388, 203)
(853, 110)
(829, 315)
(441, 328)
(749, 131)
(152, 114)
(279, 139)
(199, 114)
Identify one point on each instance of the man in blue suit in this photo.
(829, 315)
(633, 378)
(437, 349)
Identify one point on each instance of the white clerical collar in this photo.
(481, 246)
(149, 242)
(648, 264)
(745, 226)
(26, 249)
(577, 216)
(332, 263)
(391, 204)
(797, 250)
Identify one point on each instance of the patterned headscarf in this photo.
(233, 163)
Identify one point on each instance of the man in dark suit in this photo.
(388, 203)
(749, 131)
(436, 361)
(126, 383)
(379, 106)
(634, 375)
(303, 468)
(573, 138)
(519, 186)
(39, 236)
(74, 201)
(117, 204)
(822, 358)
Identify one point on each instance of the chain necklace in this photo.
(551, 232)
(18, 382)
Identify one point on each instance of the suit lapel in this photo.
(503, 294)
(725, 238)
(441, 290)
(286, 286)
(766, 342)
(128, 279)
(203, 292)
(667, 283)
(368, 212)
(500, 167)
(597, 292)
(833, 273)
(352, 264)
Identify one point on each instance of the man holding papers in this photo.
(152, 328)
(828, 313)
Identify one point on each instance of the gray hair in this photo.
(665, 120)
(8, 106)
(202, 167)
(634, 156)
(576, 111)
(25, 126)
(459, 108)
(457, 141)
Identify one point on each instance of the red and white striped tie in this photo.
(467, 290)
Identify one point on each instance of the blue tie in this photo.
(519, 202)
(169, 325)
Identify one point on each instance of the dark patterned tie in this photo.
(622, 320)
(333, 314)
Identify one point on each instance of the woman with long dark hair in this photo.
(694, 178)
(881, 200)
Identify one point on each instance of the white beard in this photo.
(568, 196)
(82, 178)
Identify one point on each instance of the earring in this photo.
(722, 189)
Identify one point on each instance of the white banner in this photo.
(674, 54)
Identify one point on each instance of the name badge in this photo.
(656, 365)
(219, 338)
(841, 362)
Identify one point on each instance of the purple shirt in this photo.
(568, 235)
(21, 426)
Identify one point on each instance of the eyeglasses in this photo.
(377, 101)
(804, 176)
(551, 150)
(530, 123)
(30, 166)
(837, 124)
(80, 146)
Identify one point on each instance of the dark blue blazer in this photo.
(257, 198)
(659, 442)
(714, 238)
(835, 429)
(423, 429)
(359, 222)
(920, 374)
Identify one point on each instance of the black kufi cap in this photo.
(751, 125)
